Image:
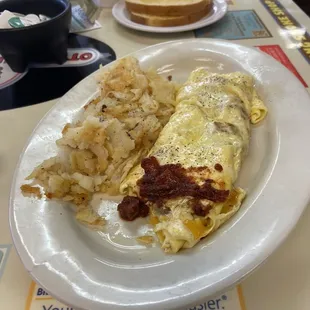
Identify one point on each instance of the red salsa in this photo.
(161, 182)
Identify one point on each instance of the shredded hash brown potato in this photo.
(115, 131)
(31, 190)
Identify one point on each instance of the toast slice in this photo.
(166, 7)
(169, 21)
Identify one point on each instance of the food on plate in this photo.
(187, 179)
(168, 13)
(173, 152)
(168, 21)
(114, 132)
(166, 7)
(31, 190)
(238, 84)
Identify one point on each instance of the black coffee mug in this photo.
(41, 43)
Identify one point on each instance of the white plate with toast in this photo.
(163, 18)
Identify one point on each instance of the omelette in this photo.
(186, 182)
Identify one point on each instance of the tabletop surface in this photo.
(278, 28)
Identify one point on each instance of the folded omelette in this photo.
(187, 180)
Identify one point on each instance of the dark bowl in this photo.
(44, 42)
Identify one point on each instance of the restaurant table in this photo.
(278, 28)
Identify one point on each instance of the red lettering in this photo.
(86, 56)
(75, 56)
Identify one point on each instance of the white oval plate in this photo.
(95, 271)
(121, 14)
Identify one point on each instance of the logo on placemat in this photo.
(76, 57)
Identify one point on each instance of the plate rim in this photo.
(190, 27)
(230, 280)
